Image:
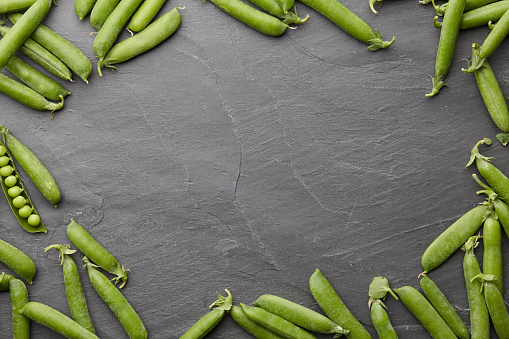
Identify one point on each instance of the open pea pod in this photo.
(23, 221)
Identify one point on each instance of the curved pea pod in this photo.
(148, 38)
(330, 302)
(96, 252)
(144, 15)
(73, 287)
(298, 314)
(451, 240)
(210, 320)
(8, 6)
(483, 15)
(17, 261)
(249, 325)
(55, 320)
(381, 321)
(349, 22)
(19, 183)
(492, 256)
(33, 167)
(101, 11)
(275, 323)
(19, 297)
(117, 303)
(423, 311)
(444, 307)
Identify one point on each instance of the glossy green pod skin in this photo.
(444, 307)
(497, 309)
(9, 6)
(17, 261)
(144, 15)
(83, 7)
(154, 34)
(483, 15)
(492, 256)
(330, 302)
(421, 308)
(33, 167)
(94, 251)
(298, 314)
(61, 48)
(19, 297)
(249, 325)
(118, 304)
(451, 240)
(22, 221)
(381, 322)
(55, 320)
(101, 11)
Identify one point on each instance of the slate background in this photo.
(229, 159)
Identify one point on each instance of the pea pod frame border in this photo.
(23, 222)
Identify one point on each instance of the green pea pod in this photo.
(330, 302)
(502, 211)
(451, 240)
(101, 11)
(275, 323)
(17, 261)
(275, 8)
(55, 320)
(444, 307)
(492, 256)
(23, 221)
(60, 47)
(469, 5)
(148, 38)
(483, 15)
(73, 287)
(249, 325)
(117, 303)
(144, 15)
(33, 167)
(4, 281)
(496, 306)
(96, 252)
(298, 314)
(381, 321)
(19, 297)
(210, 320)
(83, 7)
(9, 6)
(349, 22)
(423, 311)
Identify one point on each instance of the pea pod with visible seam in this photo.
(17, 261)
(249, 325)
(19, 297)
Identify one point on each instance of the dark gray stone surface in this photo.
(228, 159)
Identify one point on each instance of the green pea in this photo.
(4, 161)
(19, 297)
(55, 320)
(6, 171)
(381, 321)
(19, 201)
(249, 325)
(17, 261)
(14, 191)
(34, 220)
(10, 181)
(25, 211)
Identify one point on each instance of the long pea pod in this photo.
(73, 287)
(101, 11)
(95, 252)
(249, 325)
(483, 15)
(144, 15)
(492, 256)
(18, 295)
(60, 47)
(452, 238)
(151, 36)
(210, 320)
(349, 22)
(8, 6)
(17, 261)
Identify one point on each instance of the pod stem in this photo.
(222, 302)
(438, 83)
(377, 42)
(121, 276)
(439, 9)
(476, 62)
(62, 251)
(291, 17)
(372, 5)
(471, 244)
(475, 154)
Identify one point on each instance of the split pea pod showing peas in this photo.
(118, 304)
(73, 287)
(444, 307)
(492, 256)
(18, 295)
(55, 320)
(451, 240)
(447, 43)
(349, 22)
(17, 197)
(210, 320)
(298, 314)
(423, 311)
(17, 261)
(154, 34)
(8, 6)
(60, 47)
(249, 325)
(258, 20)
(275, 323)
(330, 302)
(33, 167)
(84, 241)
(144, 15)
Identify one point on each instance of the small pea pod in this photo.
(330, 302)
(84, 241)
(19, 297)
(492, 256)
(381, 321)
(423, 311)
(249, 325)
(451, 240)
(496, 305)
(117, 303)
(210, 320)
(444, 307)
(73, 287)
(144, 15)
(275, 323)
(55, 320)
(17, 261)
(299, 315)
(33, 167)
(349, 22)
(9, 6)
